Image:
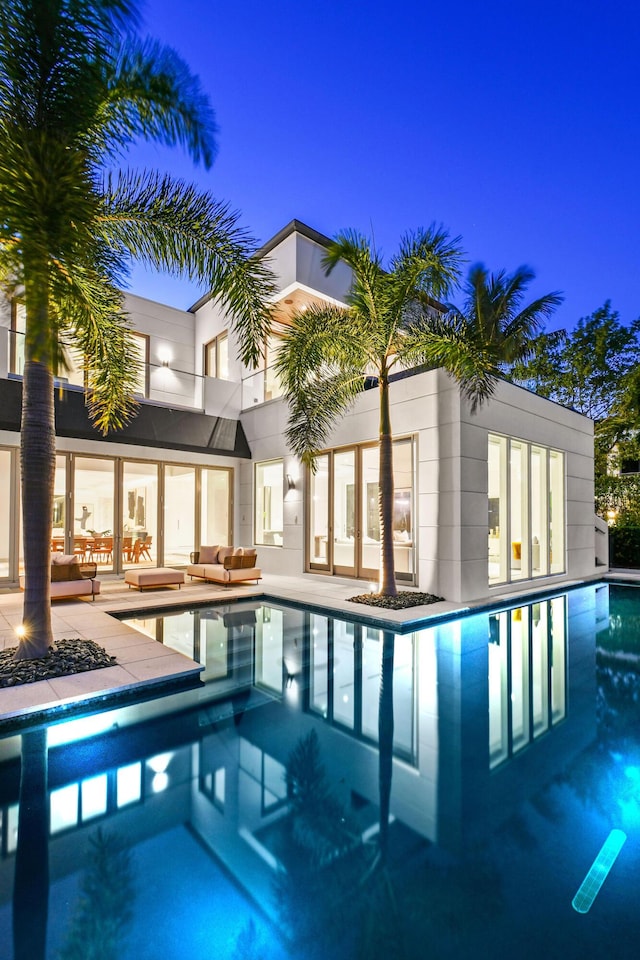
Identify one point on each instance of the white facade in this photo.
(446, 549)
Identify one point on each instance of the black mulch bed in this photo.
(64, 658)
(402, 600)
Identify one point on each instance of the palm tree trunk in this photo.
(37, 462)
(387, 562)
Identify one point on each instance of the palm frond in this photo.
(172, 226)
(151, 93)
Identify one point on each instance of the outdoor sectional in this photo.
(69, 578)
(226, 565)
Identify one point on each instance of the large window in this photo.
(216, 357)
(526, 510)
(269, 497)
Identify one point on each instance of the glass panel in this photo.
(214, 513)
(539, 527)
(93, 511)
(319, 694)
(223, 357)
(269, 518)
(519, 552)
(214, 648)
(498, 690)
(403, 509)
(129, 784)
(370, 516)
(12, 828)
(269, 653)
(179, 513)
(59, 518)
(94, 797)
(558, 659)
(5, 510)
(371, 671)
(17, 341)
(219, 783)
(403, 695)
(177, 633)
(139, 513)
(344, 508)
(497, 492)
(519, 677)
(272, 388)
(140, 348)
(64, 808)
(319, 512)
(343, 680)
(556, 511)
(540, 667)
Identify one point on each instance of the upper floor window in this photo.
(216, 357)
(75, 373)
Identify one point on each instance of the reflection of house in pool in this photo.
(486, 708)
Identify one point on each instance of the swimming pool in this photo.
(337, 790)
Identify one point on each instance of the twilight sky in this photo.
(515, 124)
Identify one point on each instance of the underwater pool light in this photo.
(599, 871)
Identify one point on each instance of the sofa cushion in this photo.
(63, 559)
(209, 554)
(223, 553)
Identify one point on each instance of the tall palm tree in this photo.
(493, 330)
(77, 87)
(392, 322)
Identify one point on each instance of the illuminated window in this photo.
(269, 499)
(93, 793)
(216, 357)
(526, 510)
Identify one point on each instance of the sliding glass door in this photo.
(343, 517)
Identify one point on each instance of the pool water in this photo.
(336, 790)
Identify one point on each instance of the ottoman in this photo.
(154, 577)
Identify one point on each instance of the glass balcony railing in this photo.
(157, 383)
(260, 387)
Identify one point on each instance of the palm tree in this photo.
(77, 87)
(393, 321)
(493, 330)
(329, 353)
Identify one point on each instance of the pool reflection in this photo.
(340, 790)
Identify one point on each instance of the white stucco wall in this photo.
(451, 481)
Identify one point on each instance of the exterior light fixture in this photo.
(21, 630)
(164, 356)
(291, 484)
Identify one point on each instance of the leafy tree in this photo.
(104, 910)
(329, 354)
(595, 370)
(77, 87)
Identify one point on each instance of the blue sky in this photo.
(514, 124)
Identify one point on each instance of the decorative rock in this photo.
(402, 600)
(64, 658)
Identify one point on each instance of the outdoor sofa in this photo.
(225, 565)
(69, 578)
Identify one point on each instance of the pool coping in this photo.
(146, 670)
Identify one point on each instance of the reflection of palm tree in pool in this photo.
(31, 878)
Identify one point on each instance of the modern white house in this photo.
(485, 503)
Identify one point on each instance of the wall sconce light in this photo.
(291, 484)
(164, 356)
(165, 363)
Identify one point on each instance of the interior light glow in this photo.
(21, 630)
(598, 872)
(160, 762)
(160, 782)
